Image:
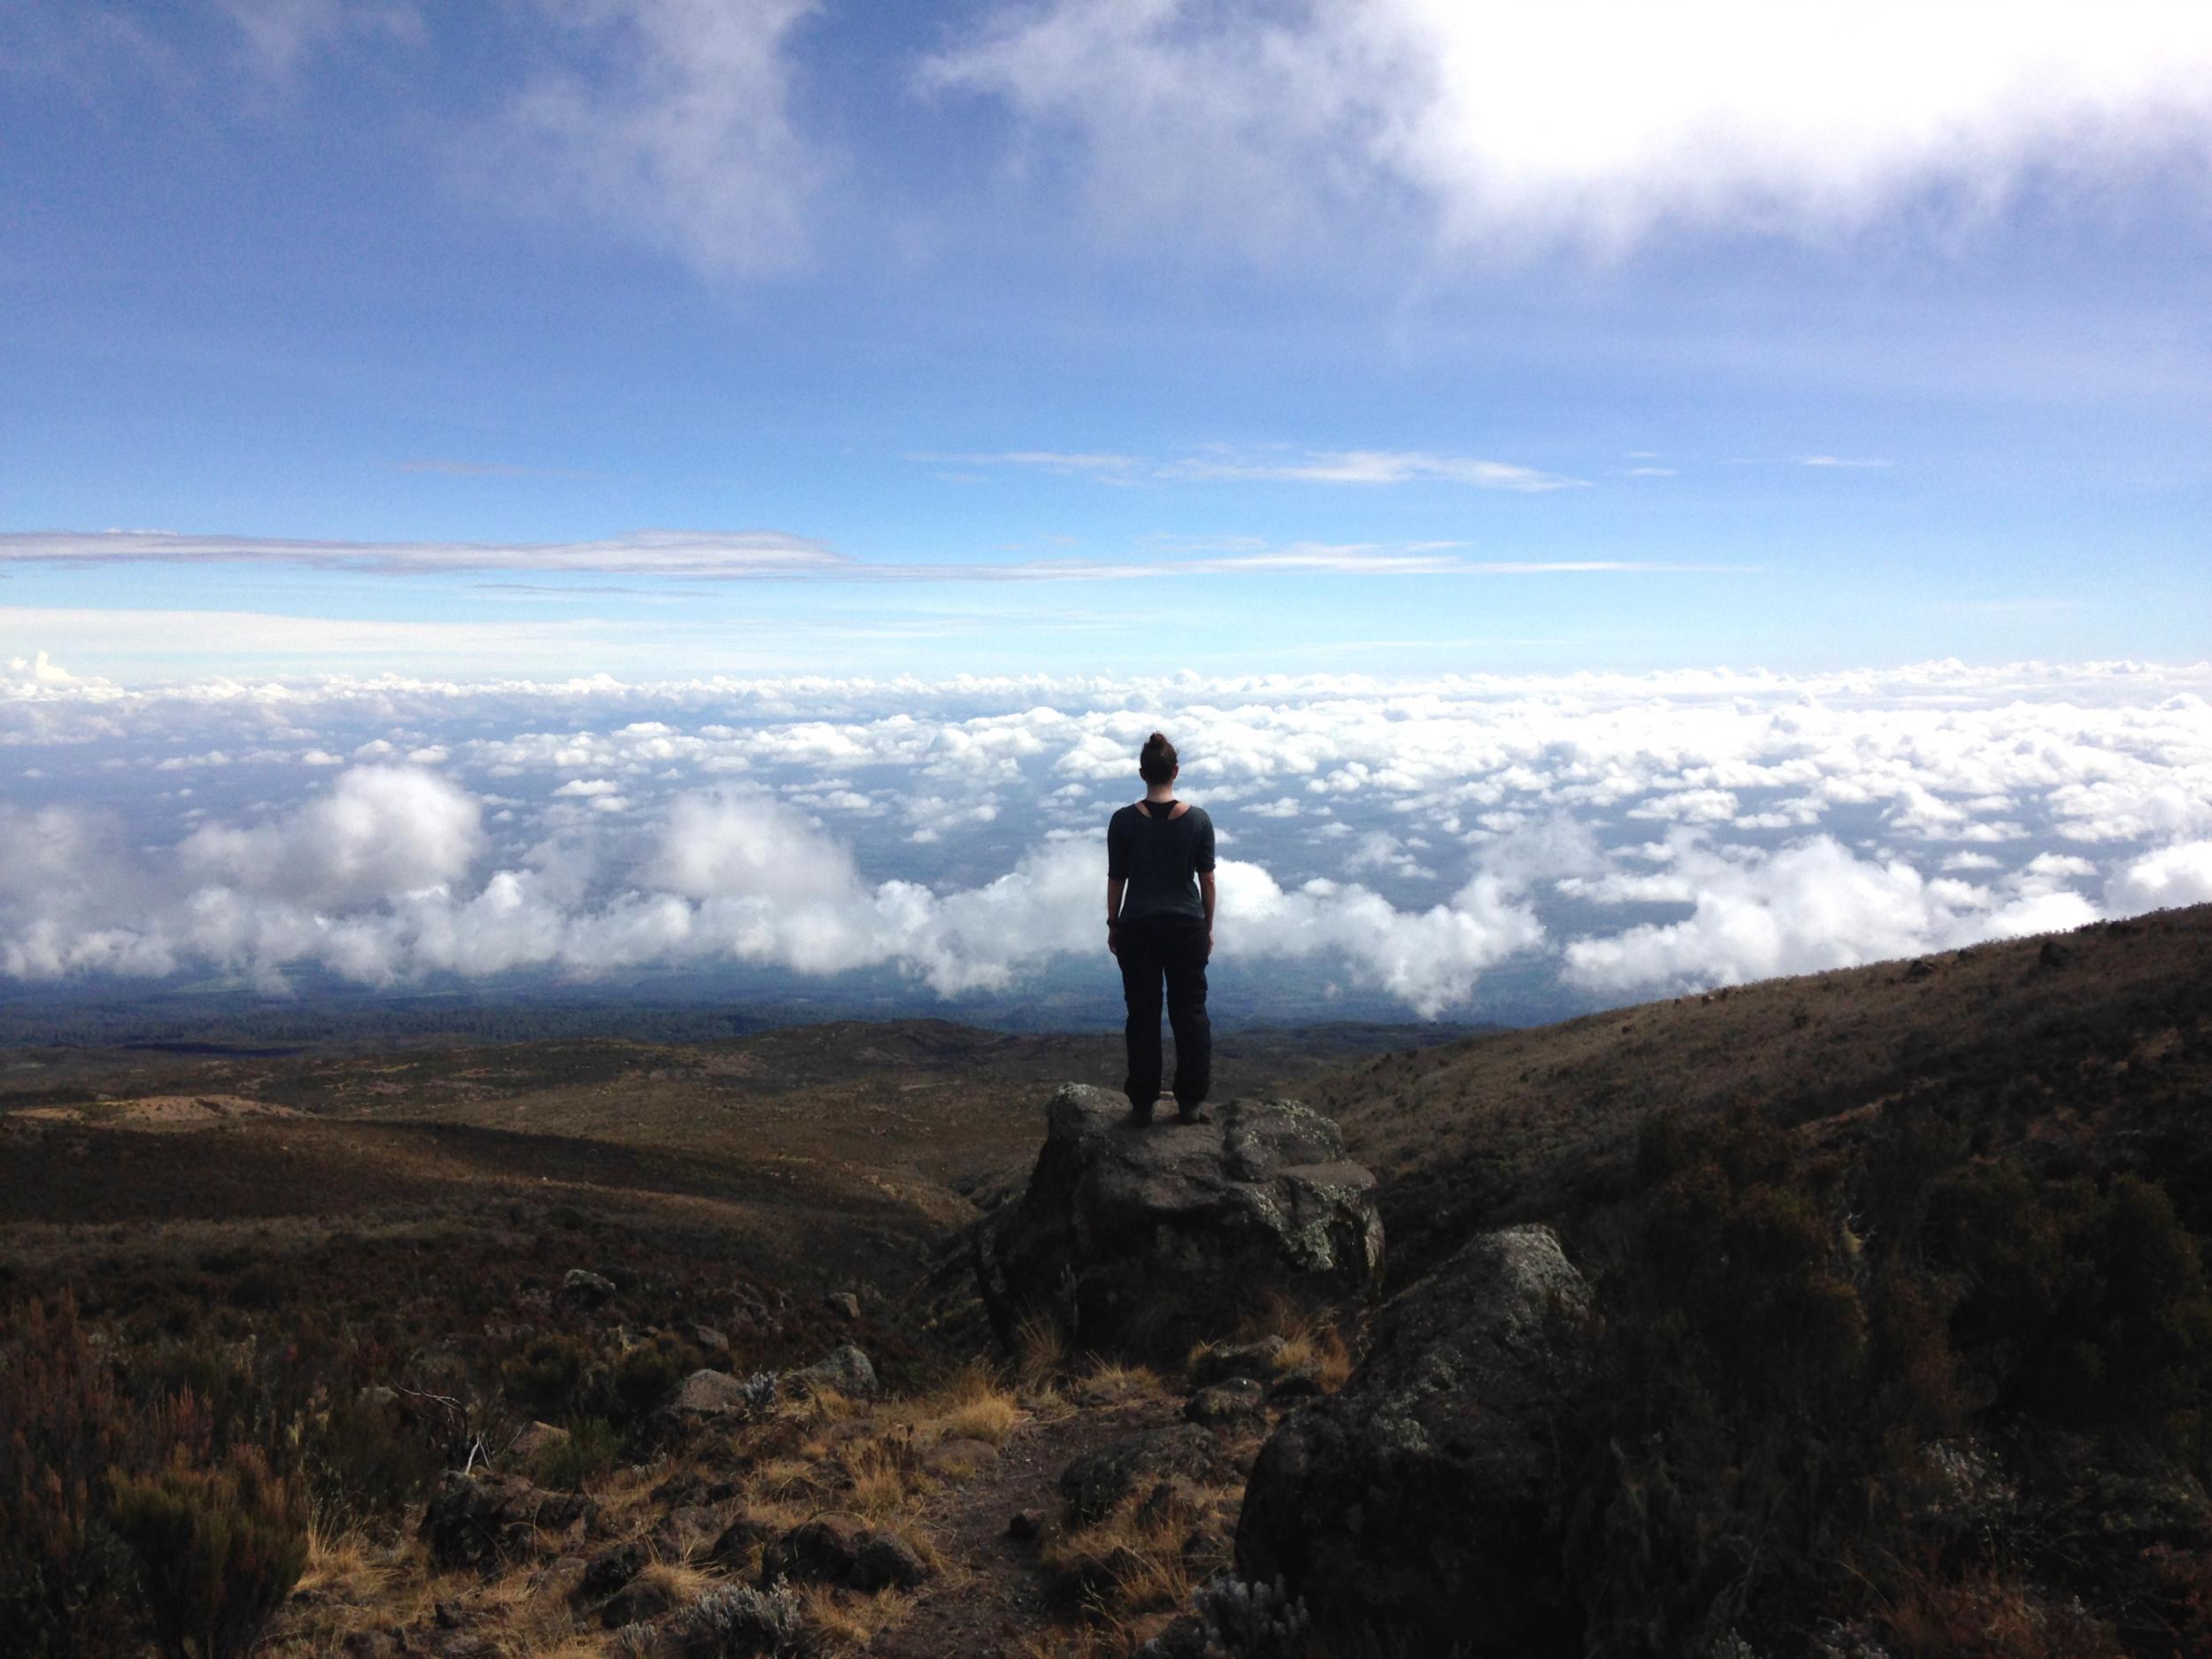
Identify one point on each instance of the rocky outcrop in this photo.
(1144, 1239)
(1415, 1500)
(478, 1521)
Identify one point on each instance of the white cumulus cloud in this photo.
(1588, 121)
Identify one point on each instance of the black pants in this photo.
(1172, 948)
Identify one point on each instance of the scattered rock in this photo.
(1294, 1386)
(888, 1561)
(688, 1486)
(682, 1533)
(846, 1370)
(823, 1550)
(740, 1542)
(585, 1289)
(1174, 1502)
(1416, 1499)
(642, 1599)
(477, 1521)
(1144, 1240)
(609, 1570)
(842, 1302)
(1095, 1482)
(708, 1394)
(1241, 1400)
(1224, 1361)
(709, 1340)
(1921, 969)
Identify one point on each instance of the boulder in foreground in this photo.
(1144, 1238)
(1416, 1499)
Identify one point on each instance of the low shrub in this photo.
(646, 1377)
(63, 1422)
(592, 1449)
(555, 1376)
(219, 1550)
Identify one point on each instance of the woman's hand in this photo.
(1113, 938)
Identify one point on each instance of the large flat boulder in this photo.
(1146, 1237)
(1417, 1500)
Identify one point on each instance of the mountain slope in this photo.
(2104, 1034)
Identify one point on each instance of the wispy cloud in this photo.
(281, 35)
(1220, 464)
(1836, 460)
(697, 553)
(1094, 465)
(1370, 467)
(769, 555)
(675, 126)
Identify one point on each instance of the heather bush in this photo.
(219, 1550)
(591, 1448)
(63, 1422)
(1792, 1338)
(365, 1461)
(2084, 1308)
(555, 1376)
(646, 1377)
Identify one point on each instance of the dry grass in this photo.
(883, 1476)
(1986, 1617)
(1317, 1345)
(974, 1406)
(1113, 1640)
(1133, 1561)
(344, 1562)
(683, 1582)
(1040, 1353)
(1111, 1382)
(843, 1622)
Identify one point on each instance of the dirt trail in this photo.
(991, 1593)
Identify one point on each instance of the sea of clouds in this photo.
(1606, 837)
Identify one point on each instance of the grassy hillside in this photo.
(2102, 1039)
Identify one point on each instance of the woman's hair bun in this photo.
(1157, 764)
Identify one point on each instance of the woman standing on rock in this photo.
(1160, 924)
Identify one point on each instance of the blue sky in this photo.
(1065, 337)
(1609, 498)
